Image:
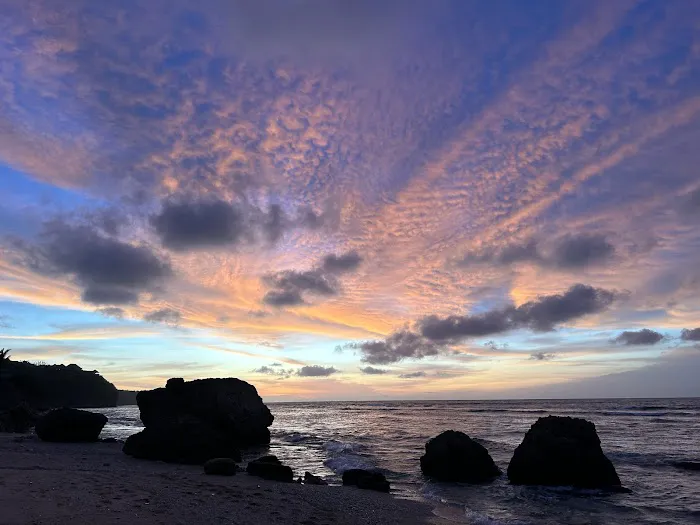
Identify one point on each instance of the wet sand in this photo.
(95, 483)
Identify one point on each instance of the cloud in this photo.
(569, 252)
(316, 371)
(434, 334)
(191, 225)
(398, 346)
(342, 263)
(690, 335)
(164, 315)
(412, 375)
(542, 356)
(370, 370)
(289, 286)
(108, 270)
(690, 203)
(640, 337)
(112, 311)
(5, 322)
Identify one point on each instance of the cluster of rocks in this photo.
(556, 451)
(208, 421)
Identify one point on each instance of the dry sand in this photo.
(95, 483)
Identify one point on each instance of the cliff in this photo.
(50, 386)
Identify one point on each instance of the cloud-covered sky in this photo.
(339, 199)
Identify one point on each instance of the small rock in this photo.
(310, 479)
(109, 440)
(269, 467)
(221, 467)
(366, 479)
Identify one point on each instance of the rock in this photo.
(20, 419)
(70, 425)
(269, 467)
(366, 479)
(221, 467)
(186, 441)
(454, 456)
(687, 465)
(109, 440)
(310, 479)
(194, 421)
(562, 451)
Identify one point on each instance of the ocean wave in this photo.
(340, 447)
(295, 437)
(340, 464)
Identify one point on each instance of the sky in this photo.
(355, 199)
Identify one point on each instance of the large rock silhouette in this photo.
(194, 421)
(454, 456)
(562, 451)
(69, 425)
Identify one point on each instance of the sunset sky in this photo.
(338, 199)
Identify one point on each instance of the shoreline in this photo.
(68, 483)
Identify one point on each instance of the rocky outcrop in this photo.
(221, 467)
(195, 421)
(269, 467)
(69, 425)
(454, 456)
(562, 451)
(43, 387)
(366, 479)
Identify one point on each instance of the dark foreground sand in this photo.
(51, 483)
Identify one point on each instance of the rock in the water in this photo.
(20, 419)
(366, 479)
(562, 451)
(310, 479)
(221, 467)
(194, 421)
(454, 456)
(110, 440)
(70, 425)
(187, 441)
(269, 467)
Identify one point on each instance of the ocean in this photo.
(642, 437)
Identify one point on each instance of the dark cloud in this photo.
(579, 251)
(274, 370)
(412, 375)
(276, 364)
(191, 225)
(640, 337)
(316, 371)
(342, 263)
(370, 370)
(112, 311)
(399, 345)
(434, 334)
(108, 270)
(690, 203)
(691, 335)
(288, 287)
(164, 315)
(542, 356)
(567, 253)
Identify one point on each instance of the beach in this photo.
(54, 483)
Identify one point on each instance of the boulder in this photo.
(562, 451)
(269, 467)
(366, 479)
(221, 467)
(310, 479)
(70, 425)
(454, 456)
(194, 421)
(188, 441)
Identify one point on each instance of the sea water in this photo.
(642, 437)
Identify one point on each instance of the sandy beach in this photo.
(50, 483)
